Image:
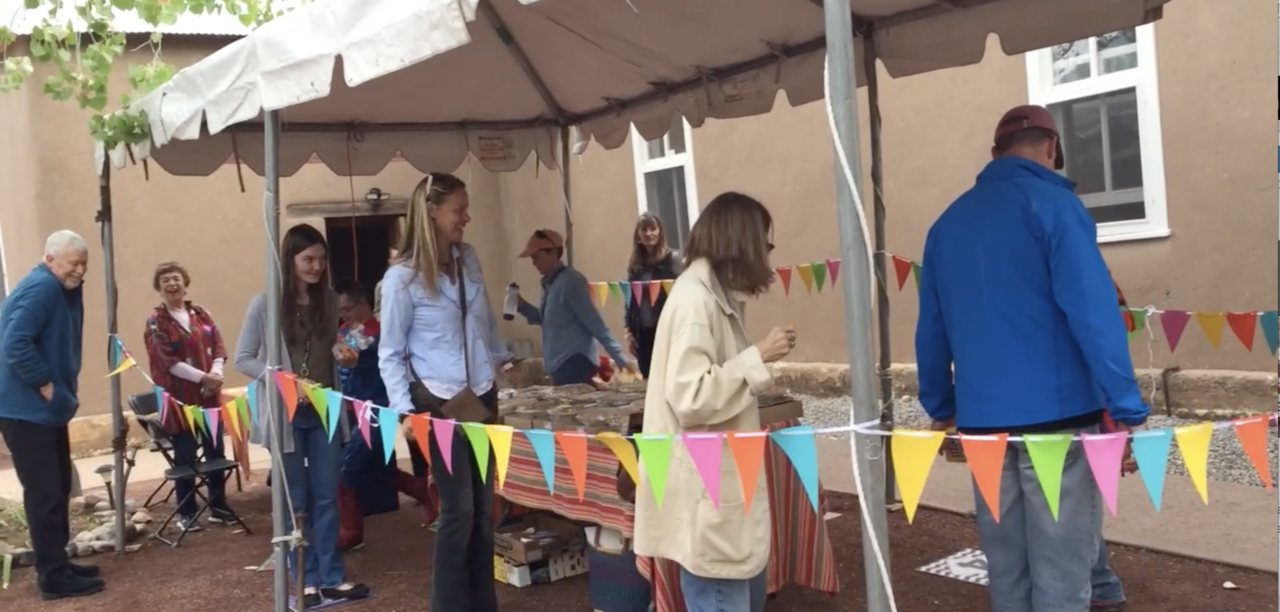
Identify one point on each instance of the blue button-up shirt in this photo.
(428, 329)
(571, 325)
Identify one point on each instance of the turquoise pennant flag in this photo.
(387, 421)
(800, 448)
(334, 410)
(1270, 322)
(544, 446)
(1151, 451)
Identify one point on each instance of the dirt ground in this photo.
(208, 572)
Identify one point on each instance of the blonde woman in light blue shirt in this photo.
(440, 342)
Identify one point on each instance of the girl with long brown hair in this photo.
(652, 260)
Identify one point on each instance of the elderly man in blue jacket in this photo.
(1015, 296)
(41, 331)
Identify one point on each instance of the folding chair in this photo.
(146, 411)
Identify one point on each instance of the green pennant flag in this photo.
(319, 401)
(242, 409)
(915, 273)
(198, 417)
(1048, 456)
(615, 288)
(1139, 322)
(655, 453)
(819, 274)
(479, 445)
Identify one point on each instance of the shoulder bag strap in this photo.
(462, 303)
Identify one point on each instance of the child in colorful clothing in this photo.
(369, 484)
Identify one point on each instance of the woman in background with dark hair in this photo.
(309, 318)
(705, 378)
(651, 260)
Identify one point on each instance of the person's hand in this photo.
(777, 344)
(211, 381)
(347, 357)
(634, 369)
(47, 392)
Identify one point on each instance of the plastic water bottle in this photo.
(511, 303)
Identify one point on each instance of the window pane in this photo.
(1118, 51)
(667, 197)
(1071, 62)
(1103, 153)
(675, 137)
(656, 149)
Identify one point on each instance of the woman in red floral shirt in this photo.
(186, 355)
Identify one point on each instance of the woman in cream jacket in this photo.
(705, 377)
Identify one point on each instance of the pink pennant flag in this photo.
(443, 429)
(1174, 322)
(637, 289)
(362, 420)
(165, 401)
(704, 449)
(214, 417)
(1104, 452)
(833, 270)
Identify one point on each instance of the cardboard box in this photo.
(559, 566)
(537, 537)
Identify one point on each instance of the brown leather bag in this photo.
(465, 407)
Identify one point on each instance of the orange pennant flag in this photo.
(1244, 325)
(287, 385)
(574, 445)
(421, 425)
(655, 288)
(1253, 433)
(985, 456)
(1211, 323)
(748, 455)
(806, 276)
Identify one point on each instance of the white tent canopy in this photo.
(506, 75)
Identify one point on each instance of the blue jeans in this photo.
(312, 473)
(1106, 584)
(1037, 564)
(719, 595)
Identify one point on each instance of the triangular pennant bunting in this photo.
(333, 411)
(544, 448)
(1151, 451)
(213, 419)
(806, 277)
(1104, 453)
(1269, 321)
(1245, 326)
(799, 446)
(624, 451)
(1253, 433)
(626, 292)
(637, 291)
(704, 450)
(833, 268)
(443, 430)
(784, 275)
(913, 453)
(387, 420)
(985, 456)
(915, 273)
(655, 289)
(479, 439)
(1193, 444)
(748, 455)
(1173, 323)
(287, 386)
(667, 285)
(901, 267)
(655, 454)
(1048, 457)
(1139, 322)
(500, 440)
(615, 288)
(124, 365)
(1211, 323)
(819, 274)
(361, 408)
(574, 445)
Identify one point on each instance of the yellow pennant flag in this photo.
(602, 293)
(624, 450)
(1211, 323)
(190, 412)
(806, 275)
(124, 365)
(667, 285)
(913, 454)
(500, 440)
(232, 418)
(1193, 443)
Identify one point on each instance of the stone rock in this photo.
(103, 532)
(24, 557)
(132, 548)
(102, 506)
(77, 505)
(91, 501)
(103, 546)
(84, 550)
(105, 514)
(130, 506)
(141, 516)
(84, 537)
(7, 548)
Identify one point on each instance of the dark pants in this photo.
(644, 338)
(462, 573)
(185, 449)
(42, 459)
(578, 369)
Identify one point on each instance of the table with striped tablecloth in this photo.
(801, 551)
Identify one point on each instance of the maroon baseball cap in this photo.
(1030, 116)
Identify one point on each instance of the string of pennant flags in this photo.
(913, 451)
(815, 276)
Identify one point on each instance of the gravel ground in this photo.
(1227, 461)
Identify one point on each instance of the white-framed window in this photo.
(1103, 94)
(665, 181)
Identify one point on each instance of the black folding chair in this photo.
(146, 412)
(146, 409)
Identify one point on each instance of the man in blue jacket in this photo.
(1015, 295)
(41, 332)
(571, 325)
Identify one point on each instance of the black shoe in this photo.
(311, 599)
(1107, 606)
(349, 592)
(84, 571)
(68, 584)
(221, 516)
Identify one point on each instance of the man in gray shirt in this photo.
(570, 323)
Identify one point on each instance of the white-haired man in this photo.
(41, 334)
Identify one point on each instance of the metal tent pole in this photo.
(857, 294)
(881, 257)
(117, 409)
(275, 407)
(568, 199)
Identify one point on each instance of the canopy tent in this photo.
(506, 75)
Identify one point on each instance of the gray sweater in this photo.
(251, 360)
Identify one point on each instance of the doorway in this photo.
(359, 247)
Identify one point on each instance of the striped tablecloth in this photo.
(801, 552)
